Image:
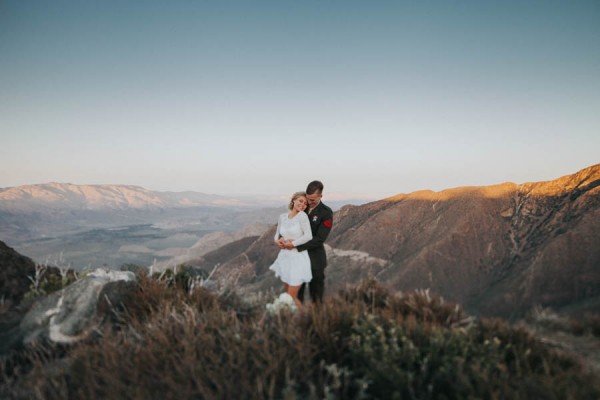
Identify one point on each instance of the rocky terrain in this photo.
(14, 272)
(120, 335)
(498, 250)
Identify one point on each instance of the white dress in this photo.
(293, 266)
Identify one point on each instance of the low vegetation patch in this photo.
(587, 324)
(49, 279)
(365, 342)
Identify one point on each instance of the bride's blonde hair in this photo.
(294, 197)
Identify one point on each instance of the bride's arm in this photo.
(306, 232)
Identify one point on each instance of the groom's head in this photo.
(314, 192)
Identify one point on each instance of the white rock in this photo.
(112, 276)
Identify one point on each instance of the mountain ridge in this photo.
(498, 249)
(54, 195)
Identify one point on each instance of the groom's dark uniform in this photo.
(321, 220)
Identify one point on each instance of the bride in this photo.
(291, 266)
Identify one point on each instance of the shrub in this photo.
(586, 324)
(49, 279)
(365, 342)
(589, 324)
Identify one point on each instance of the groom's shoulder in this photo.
(326, 209)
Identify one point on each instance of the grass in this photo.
(365, 342)
(587, 324)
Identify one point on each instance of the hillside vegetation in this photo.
(365, 342)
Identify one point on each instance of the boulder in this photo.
(71, 314)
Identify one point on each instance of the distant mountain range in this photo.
(66, 196)
(498, 250)
(29, 213)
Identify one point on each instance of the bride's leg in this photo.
(293, 291)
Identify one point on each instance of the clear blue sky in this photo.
(372, 97)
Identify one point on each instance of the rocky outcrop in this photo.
(71, 314)
(15, 271)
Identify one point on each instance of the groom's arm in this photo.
(321, 235)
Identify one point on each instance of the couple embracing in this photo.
(300, 235)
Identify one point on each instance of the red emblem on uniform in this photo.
(327, 223)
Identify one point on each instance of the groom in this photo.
(321, 220)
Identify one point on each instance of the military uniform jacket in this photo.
(321, 221)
